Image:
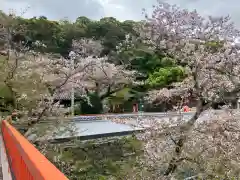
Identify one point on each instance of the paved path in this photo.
(4, 168)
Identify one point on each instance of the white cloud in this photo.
(121, 9)
(213, 7)
(56, 9)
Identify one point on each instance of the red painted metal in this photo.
(26, 162)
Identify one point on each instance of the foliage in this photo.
(104, 78)
(191, 55)
(58, 36)
(99, 159)
(156, 69)
(34, 80)
(96, 106)
(206, 47)
(63, 36)
(165, 76)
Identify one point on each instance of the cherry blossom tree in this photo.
(35, 80)
(103, 78)
(206, 47)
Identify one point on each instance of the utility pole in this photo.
(72, 56)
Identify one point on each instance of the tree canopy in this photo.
(58, 35)
(175, 54)
(155, 69)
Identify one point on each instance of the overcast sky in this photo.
(121, 9)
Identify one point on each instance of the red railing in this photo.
(25, 161)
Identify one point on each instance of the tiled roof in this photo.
(86, 128)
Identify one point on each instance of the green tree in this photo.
(58, 35)
(165, 76)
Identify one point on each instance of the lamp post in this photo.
(72, 56)
(238, 104)
(141, 106)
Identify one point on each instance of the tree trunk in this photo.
(184, 130)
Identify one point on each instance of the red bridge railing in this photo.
(25, 161)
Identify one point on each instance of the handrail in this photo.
(25, 161)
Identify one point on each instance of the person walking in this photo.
(186, 108)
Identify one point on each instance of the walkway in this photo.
(4, 163)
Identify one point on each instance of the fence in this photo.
(25, 161)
